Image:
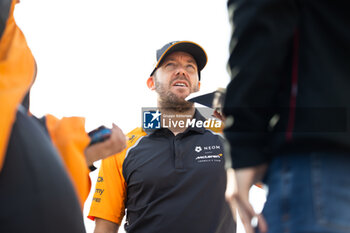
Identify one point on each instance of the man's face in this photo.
(176, 79)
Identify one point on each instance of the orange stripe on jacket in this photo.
(17, 70)
(16, 76)
(69, 137)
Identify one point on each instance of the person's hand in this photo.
(245, 178)
(113, 145)
(231, 190)
(218, 115)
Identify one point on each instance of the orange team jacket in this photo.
(17, 70)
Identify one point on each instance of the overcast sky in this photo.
(94, 57)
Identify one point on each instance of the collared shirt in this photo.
(166, 183)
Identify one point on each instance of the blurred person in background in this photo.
(287, 110)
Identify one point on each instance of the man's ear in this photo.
(150, 83)
(199, 85)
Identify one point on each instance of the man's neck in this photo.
(173, 117)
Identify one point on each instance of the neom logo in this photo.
(200, 148)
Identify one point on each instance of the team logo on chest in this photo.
(208, 154)
(198, 149)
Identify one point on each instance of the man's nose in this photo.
(180, 70)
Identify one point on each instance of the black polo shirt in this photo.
(173, 183)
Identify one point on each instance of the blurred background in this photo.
(94, 57)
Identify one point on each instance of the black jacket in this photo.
(290, 62)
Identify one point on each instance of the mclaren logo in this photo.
(198, 149)
(208, 154)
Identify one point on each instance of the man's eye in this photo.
(190, 67)
(170, 64)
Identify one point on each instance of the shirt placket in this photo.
(178, 155)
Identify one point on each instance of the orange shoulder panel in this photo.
(17, 73)
(110, 193)
(216, 126)
(69, 137)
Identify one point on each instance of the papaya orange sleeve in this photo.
(17, 68)
(70, 139)
(110, 193)
(111, 188)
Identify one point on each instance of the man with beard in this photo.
(171, 178)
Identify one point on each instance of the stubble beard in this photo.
(172, 102)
